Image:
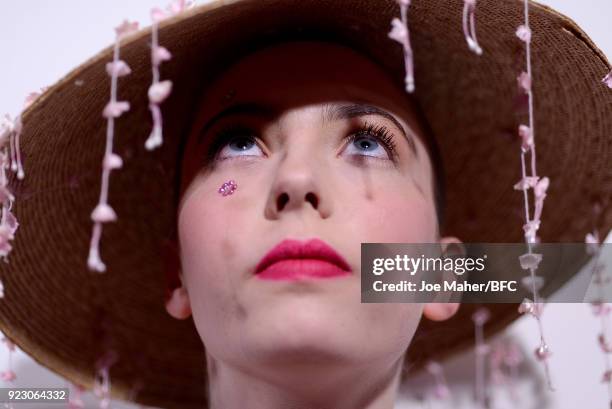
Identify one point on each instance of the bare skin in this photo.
(301, 345)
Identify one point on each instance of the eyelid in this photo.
(380, 133)
(226, 134)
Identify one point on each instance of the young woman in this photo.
(289, 140)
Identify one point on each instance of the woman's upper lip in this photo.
(295, 249)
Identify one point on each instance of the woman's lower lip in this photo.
(295, 269)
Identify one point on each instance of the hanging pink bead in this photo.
(542, 352)
(601, 309)
(529, 307)
(524, 82)
(524, 33)
(441, 390)
(530, 260)
(513, 356)
(531, 281)
(608, 79)
(399, 32)
(481, 316)
(604, 344)
(530, 228)
(8, 376)
(103, 213)
(526, 182)
(118, 68)
(526, 137)
(469, 26)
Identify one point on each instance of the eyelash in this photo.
(381, 133)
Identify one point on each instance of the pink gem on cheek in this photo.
(228, 188)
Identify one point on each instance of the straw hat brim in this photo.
(64, 316)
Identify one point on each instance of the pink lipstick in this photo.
(293, 260)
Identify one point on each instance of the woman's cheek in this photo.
(401, 219)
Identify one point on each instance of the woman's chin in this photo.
(305, 329)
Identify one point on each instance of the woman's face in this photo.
(304, 170)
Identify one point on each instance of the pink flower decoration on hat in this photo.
(158, 92)
(112, 161)
(8, 376)
(530, 228)
(10, 131)
(114, 109)
(524, 81)
(469, 26)
(177, 6)
(542, 352)
(103, 212)
(161, 54)
(526, 182)
(441, 390)
(126, 28)
(118, 68)
(530, 261)
(8, 223)
(526, 137)
(174, 8)
(399, 33)
(524, 33)
(33, 96)
(481, 316)
(608, 79)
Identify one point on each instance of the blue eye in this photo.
(366, 143)
(370, 140)
(235, 141)
(240, 146)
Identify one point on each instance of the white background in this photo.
(41, 40)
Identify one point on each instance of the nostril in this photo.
(282, 201)
(312, 198)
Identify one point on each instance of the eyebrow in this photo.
(331, 112)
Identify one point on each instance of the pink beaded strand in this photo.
(505, 354)
(469, 26)
(608, 79)
(8, 375)
(75, 393)
(159, 90)
(441, 390)
(530, 261)
(480, 317)
(103, 212)
(400, 33)
(102, 383)
(601, 309)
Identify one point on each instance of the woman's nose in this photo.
(298, 187)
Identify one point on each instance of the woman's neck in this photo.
(304, 387)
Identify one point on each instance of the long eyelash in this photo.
(223, 136)
(380, 132)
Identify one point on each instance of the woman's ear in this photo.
(178, 304)
(444, 311)
(440, 311)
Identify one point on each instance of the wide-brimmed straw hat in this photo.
(66, 317)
